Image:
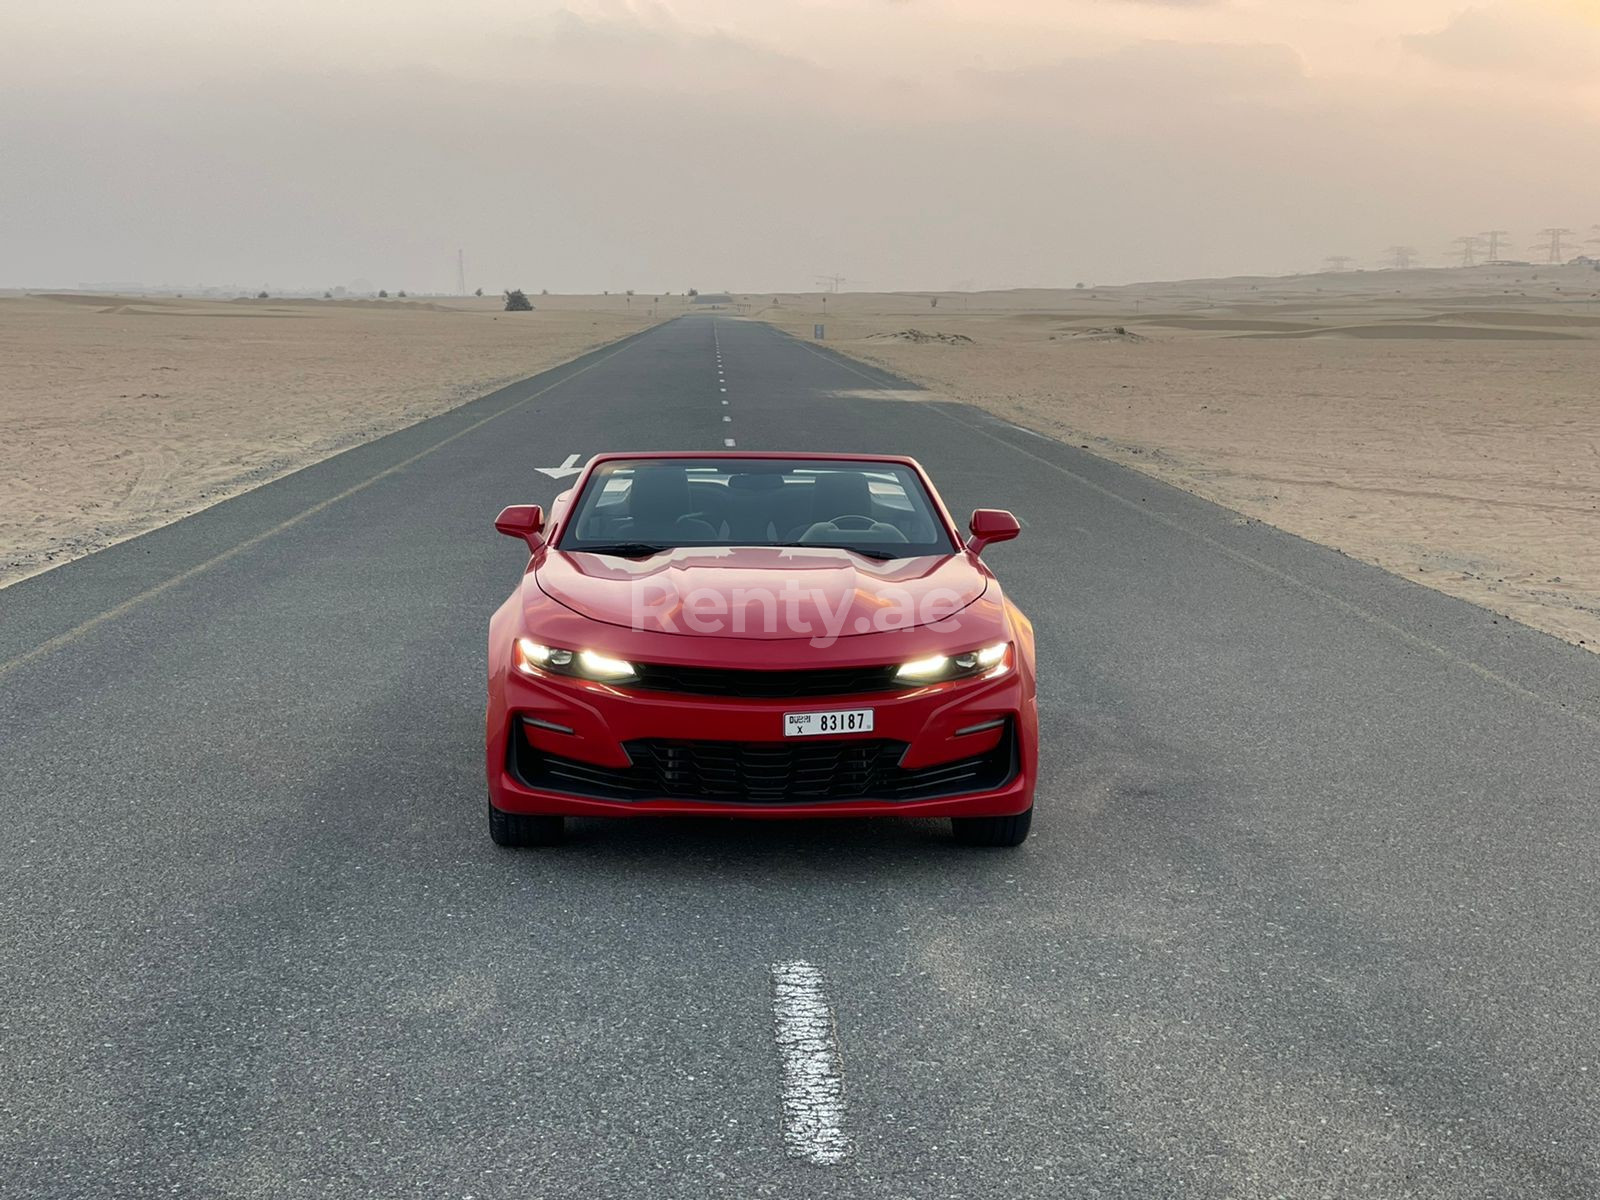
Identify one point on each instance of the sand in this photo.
(119, 414)
(1444, 425)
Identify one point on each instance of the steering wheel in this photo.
(852, 522)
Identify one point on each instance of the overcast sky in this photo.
(754, 144)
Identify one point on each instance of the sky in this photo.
(759, 144)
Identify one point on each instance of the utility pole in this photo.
(1401, 257)
(461, 274)
(1470, 245)
(1494, 236)
(1553, 238)
(1338, 262)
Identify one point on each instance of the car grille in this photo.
(766, 685)
(765, 772)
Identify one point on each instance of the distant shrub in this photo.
(262, 296)
(692, 292)
(382, 295)
(402, 293)
(516, 301)
(479, 292)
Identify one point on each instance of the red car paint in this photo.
(582, 600)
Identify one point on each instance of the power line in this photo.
(1401, 257)
(1338, 262)
(831, 282)
(461, 274)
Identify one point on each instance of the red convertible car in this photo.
(758, 635)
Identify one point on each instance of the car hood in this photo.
(761, 592)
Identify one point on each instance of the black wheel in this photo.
(518, 829)
(993, 831)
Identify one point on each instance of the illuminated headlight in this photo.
(532, 658)
(940, 667)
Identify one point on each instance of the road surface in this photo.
(1310, 908)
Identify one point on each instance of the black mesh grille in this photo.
(766, 685)
(766, 772)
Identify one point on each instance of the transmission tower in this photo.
(1338, 262)
(1553, 238)
(461, 274)
(1493, 236)
(1470, 245)
(1401, 257)
(830, 282)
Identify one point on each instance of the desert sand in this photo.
(1444, 425)
(118, 414)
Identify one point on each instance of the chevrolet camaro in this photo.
(758, 635)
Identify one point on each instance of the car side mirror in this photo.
(525, 521)
(991, 525)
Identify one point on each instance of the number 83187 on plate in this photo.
(814, 724)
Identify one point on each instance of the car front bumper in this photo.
(566, 747)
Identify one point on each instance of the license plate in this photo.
(814, 724)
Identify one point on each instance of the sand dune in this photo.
(1442, 424)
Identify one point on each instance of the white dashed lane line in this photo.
(728, 442)
(722, 383)
(813, 1079)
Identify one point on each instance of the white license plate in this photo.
(814, 724)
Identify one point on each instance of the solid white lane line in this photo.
(813, 1081)
(728, 442)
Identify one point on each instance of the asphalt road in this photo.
(1310, 908)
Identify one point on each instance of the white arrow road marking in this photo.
(569, 467)
(813, 1083)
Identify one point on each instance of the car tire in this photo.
(521, 829)
(993, 831)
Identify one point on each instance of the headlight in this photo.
(940, 667)
(532, 657)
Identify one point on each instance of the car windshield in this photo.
(637, 507)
